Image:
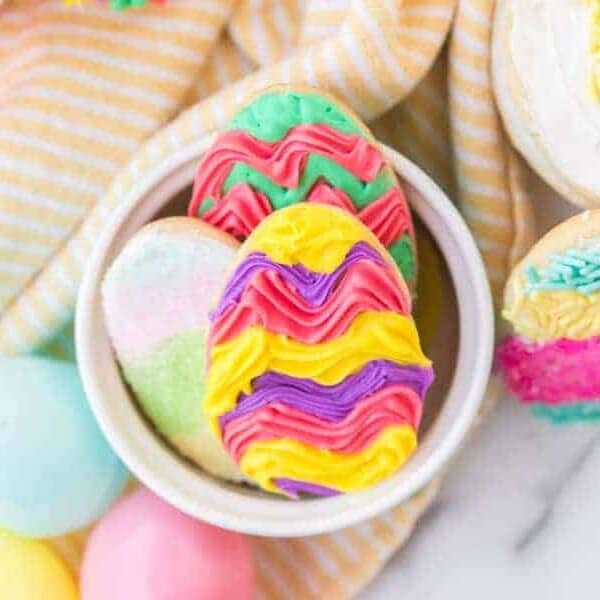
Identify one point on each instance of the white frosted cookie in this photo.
(156, 298)
(543, 67)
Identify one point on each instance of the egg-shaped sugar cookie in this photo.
(552, 300)
(315, 373)
(546, 71)
(156, 298)
(290, 144)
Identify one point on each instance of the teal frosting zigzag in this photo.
(575, 269)
(566, 414)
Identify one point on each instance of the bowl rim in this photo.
(158, 468)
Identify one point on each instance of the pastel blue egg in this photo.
(57, 472)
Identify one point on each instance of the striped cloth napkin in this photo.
(84, 89)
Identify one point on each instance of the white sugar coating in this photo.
(156, 296)
(161, 283)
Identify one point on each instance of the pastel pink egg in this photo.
(145, 549)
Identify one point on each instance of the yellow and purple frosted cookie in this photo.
(293, 144)
(156, 297)
(315, 373)
(553, 302)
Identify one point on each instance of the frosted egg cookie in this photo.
(553, 302)
(315, 373)
(156, 297)
(293, 144)
(546, 73)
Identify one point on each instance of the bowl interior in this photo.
(461, 359)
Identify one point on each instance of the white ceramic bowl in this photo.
(462, 360)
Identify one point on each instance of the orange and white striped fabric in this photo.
(83, 88)
(489, 174)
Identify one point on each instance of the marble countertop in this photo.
(518, 513)
(517, 516)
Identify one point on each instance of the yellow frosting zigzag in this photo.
(267, 461)
(546, 315)
(315, 235)
(234, 364)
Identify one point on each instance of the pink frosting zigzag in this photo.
(554, 373)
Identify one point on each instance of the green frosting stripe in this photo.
(169, 383)
(273, 114)
(577, 270)
(205, 206)
(580, 412)
(404, 256)
(317, 167)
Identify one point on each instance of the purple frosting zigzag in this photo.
(315, 287)
(294, 488)
(330, 403)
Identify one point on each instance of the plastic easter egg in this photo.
(30, 569)
(145, 548)
(57, 472)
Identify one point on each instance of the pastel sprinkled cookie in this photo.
(546, 70)
(156, 296)
(553, 302)
(293, 144)
(316, 376)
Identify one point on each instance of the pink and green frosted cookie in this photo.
(291, 144)
(553, 302)
(156, 298)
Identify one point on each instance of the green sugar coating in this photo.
(403, 254)
(270, 116)
(581, 412)
(169, 384)
(317, 167)
(577, 270)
